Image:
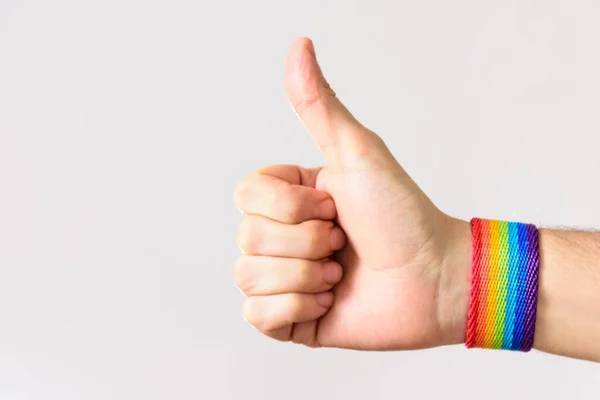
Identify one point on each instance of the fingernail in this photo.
(332, 273)
(326, 209)
(337, 239)
(325, 299)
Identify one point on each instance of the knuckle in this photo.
(245, 276)
(248, 234)
(311, 98)
(256, 317)
(377, 140)
(242, 192)
(241, 277)
(249, 312)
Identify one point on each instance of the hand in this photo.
(404, 265)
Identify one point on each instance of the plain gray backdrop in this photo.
(125, 124)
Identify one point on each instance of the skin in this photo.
(354, 254)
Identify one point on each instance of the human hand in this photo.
(404, 262)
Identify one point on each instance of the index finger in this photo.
(284, 193)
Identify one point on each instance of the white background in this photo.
(124, 126)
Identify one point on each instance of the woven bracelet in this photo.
(504, 285)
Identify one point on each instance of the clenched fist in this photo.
(353, 254)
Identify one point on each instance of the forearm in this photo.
(568, 312)
(568, 309)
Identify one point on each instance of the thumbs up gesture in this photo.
(353, 254)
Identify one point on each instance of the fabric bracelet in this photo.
(504, 285)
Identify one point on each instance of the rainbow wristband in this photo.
(504, 285)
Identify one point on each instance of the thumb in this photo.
(329, 122)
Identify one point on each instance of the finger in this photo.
(305, 333)
(274, 315)
(293, 174)
(311, 240)
(281, 200)
(324, 116)
(260, 275)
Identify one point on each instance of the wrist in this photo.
(455, 282)
(503, 288)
